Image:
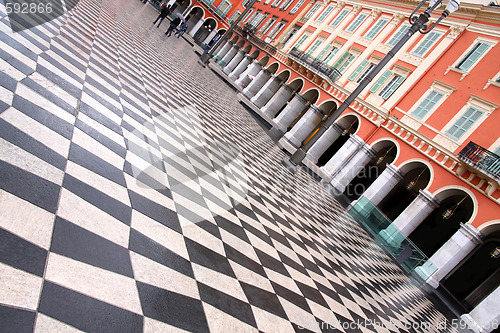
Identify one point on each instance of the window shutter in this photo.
(326, 49)
(394, 87)
(339, 18)
(464, 123)
(358, 70)
(473, 56)
(380, 81)
(426, 44)
(339, 62)
(427, 104)
(346, 63)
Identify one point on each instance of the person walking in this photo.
(165, 10)
(182, 30)
(173, 25)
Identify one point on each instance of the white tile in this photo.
(45, 323)
(60, 73)
(219, 321)
(19, 288)
(239, 244)
(199, 235)
(94, 282)
(98, 182)
(299, 316)
(300, 277)
(267, 322)
(155, 326)
(22, 159)
(11, 71)
(146, 191)
(6, 95)
(248, 276)
(39, 132)
(26, 220)
(282, 280)
(97, 77)
(82, 213)
(95, 147)
(87, 99)
(17, 55)
(102, 129)
(155, 274)
(219, 281)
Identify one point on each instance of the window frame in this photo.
(468, 52)
(437, 33)
(439, 87)
(296, 7)
(398, 32)
(376, 25)
(355, 20)
(339, 17)
(324, 14)
(312, 10)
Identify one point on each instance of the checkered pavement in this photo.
(136, 194)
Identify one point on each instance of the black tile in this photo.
(149, 248)
(17, 64)
(98, 116)
(44, 117)
(264, 300)
(101, 138)
(29, 144)
(203, 256)
(147, 181)
(77, 243)
(29, 82)
(312, 293)
(174, 309)
(292, 263)
(7, 82)
(55, 62)
(21, 254)
(272, 263)
(29, 187)
(228, 304)
(145, 154)
(312, 266)
(292, 297)
(86, 313)
(243, 260)
(16, 320)
(111, 206)
(94, 163)
(75, 91)
(232, 228)
(3, 106)
(155, 211)
(69, 56)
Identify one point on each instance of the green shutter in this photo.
(380, 81)
(346, 63)
(358, 70)
(427, 104)
(464, 123)
(339, 62)
(394, 87)
(339, 18)
(376, 29)
(326, 49)
(473, 56)
(426, 44)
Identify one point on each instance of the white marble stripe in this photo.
(38, 131)
(45, 324)
(60, 73)
(142, 189)
(6, 95)
(95, 147)
(55, 89)
(98, 78)
(110, 134)
(89, 100)
(98, 283)
(19, 288)
(11, 71)
(108, 99)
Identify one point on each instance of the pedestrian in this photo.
(165, 10)
(182, 30)
(172, 26)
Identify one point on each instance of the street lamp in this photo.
(418, 24)
(205, 57)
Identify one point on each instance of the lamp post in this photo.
(418, 24)
(205, 57)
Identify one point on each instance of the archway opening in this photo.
(194, 16)
(255, 54)
(180, 6)
(385, 152)
(264, 60)
(416, 177)
(205, 30)
(346, 126)
(273, 68)
(478, 275)
(283, 76)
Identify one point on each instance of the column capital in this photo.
(455, 31)
(336, 126)
(472, 233)
(429, 198)
(315, 109)
(394, 171)
(375, 13)
(356, 140)
(356, 9)
(340, 4)
(300, 98)
(397, 18)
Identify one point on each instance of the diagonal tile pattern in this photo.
(137, 195)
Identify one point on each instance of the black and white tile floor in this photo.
(137, 195)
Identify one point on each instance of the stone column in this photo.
(224, 49)
(196, 27)
(266, 92)
(484, 317)
(242, 66)
(304, 126)
(327, 171)
(384, 183)
(277, 101)
(253, 69)
(450, 254)
(291, 111)
(352, 167)
(229, 55)
(209, 37)
(410, 218)
(324, 142)
(234, 62)
(257, 83)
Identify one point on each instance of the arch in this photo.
(296, 84)
(328, 106)
(247, 48)
(456, 207)
(284, 75)
(264, 60)
(222, 31)
(442, 193)
(489, 227)
(234, 40)
(475, 277)
(255, 54)
(396, 151)
(416, 176)
(311, 95)
(241, 43)
(209, 25)
(180, 6)
(273, 67)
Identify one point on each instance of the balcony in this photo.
(249, 33)
(481, 159)
(316, 64)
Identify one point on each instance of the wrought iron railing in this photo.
(332, 73)
(249, 33)
(481, 158)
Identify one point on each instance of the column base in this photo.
(286, 145)
(426, 271)
(274, 132)
(338, 188)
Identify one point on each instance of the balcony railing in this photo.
(481, 158)
(331, 72)
(249, 33)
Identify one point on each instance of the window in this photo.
(301, 40)
(268, 25)
(473, 56)
(250, 17)
(497, 151)
(258, 20)
(286, 4)
(297, 6)
(325, 13)
(331, 54)
(464, 123)
(426, 44)
(224, 7)
(276, 3)
(277, 29)
(245, 3)
(234, 16)
(339, 18)
(288, 35)
(312, 11)
(427, 104)
(360, 69)
(365, 73)
(323, 52)
(344, 61)
(356, 23)
(313, 48)
(386, 91)
(376, 28)
(398, 35)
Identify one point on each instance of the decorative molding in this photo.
(455, 31)
(344, 34)
(376, 12)
(397, 18)
(356, 9)
(412, 59)
(363, 41)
